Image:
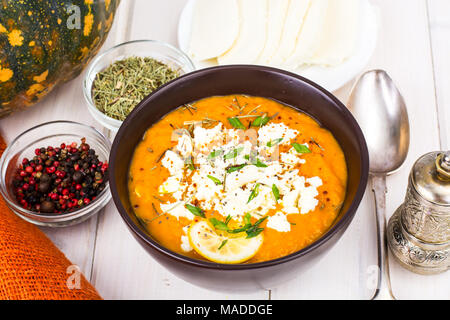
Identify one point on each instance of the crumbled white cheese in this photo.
(242, 177)
(184, 146)
(292, 158)
(185, 244)
(307, 201)
(172, 162)
(203, 188)
(315, 182)
(234, 137)
(172, 184)
(273, 131)
(177, 210)
(290, 202)
(279, 222)
(215, 151)
(205, 139)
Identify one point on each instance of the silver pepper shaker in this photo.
(418, 233)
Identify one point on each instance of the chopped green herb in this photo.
(254, 193)
(248, 218)
(260, 164)
(233, 154)
(215, 180)
(227, 220)
(215, 154)
(276, 192)
(251, 233)
(244, 228)
(301, 148)
(196, 211)
(261, 121)
(275, 142)
(189, 163)
(257, 223)
(236, 123)
(224, 242)
(255, 230)
(219, 225)
(235, 168)
(247, 224)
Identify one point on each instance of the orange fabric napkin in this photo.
(32, 267)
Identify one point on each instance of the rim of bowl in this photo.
(188, 67)
(53, 218)
(343, 222)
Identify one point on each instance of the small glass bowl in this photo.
(160, 51)
(51, 134)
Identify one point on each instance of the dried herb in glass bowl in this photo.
(121, 86)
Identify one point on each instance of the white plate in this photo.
(331, 78)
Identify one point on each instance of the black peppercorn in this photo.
(44, 186)
(78, 176)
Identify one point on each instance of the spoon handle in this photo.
(384, 290)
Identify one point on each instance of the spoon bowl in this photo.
(381, 112)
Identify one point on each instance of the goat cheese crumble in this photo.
(232, 179)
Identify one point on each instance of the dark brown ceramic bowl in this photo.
(279, 85)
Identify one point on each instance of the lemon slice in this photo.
(221, 247)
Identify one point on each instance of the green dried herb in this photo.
(121, 86)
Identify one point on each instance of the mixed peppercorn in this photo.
(60, 179)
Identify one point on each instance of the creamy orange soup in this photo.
(285, 171)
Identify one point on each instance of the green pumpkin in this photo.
(47, 42)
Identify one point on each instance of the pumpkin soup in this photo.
(235, 179)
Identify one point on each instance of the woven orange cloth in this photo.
(32, 267)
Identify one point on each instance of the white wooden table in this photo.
(413, 47)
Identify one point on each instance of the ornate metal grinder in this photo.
(418, 233)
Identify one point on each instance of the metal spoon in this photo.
(381, 112)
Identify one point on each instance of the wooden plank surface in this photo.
(413, 47)
(428, 102)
